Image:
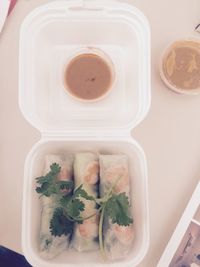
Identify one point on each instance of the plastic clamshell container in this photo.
(49, 35)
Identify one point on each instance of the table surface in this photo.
(170, 134)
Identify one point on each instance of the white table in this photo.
(170, 134)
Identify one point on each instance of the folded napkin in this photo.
(6, 6)
(12, 4)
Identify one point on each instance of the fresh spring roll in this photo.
(86, 173)
(117, 239)
(51, 246)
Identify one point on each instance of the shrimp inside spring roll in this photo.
(117, 239)
(51, 246)
(86, 173)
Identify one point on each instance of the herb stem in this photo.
(109, 193)
(102, 202)
(86, 218)
(101, 244)
(114, 184)
(68, 217)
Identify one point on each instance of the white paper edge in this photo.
(4, 7)
(181, 228)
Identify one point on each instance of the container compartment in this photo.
(31, 208)
(51, 34)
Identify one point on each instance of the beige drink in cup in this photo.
(180, 66)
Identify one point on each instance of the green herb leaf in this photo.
(42, 189)
(72, 207)
(41, 179)
(65, 200)
(49, 183)
(55, 168)
(117, 208)
(60, 224)
(46, 189)
(75, 207)
(80, 192)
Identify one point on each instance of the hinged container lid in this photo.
(51, 33)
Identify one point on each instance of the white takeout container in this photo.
(49, 35)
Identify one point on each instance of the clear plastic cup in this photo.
(103, 57)
(185, 67)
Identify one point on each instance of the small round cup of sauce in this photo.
(89, 75)
(180, 66)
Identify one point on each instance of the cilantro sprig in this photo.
(60, 223)
(49, 184)
(73, 205)
(70, 204)
(114, 207)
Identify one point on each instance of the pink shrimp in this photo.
(120, 172)
(88, 229)
(64, 175)
(125, 234)
(92, 169)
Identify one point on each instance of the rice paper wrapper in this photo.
(86, 173)
(51, 246)
(118, 239)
